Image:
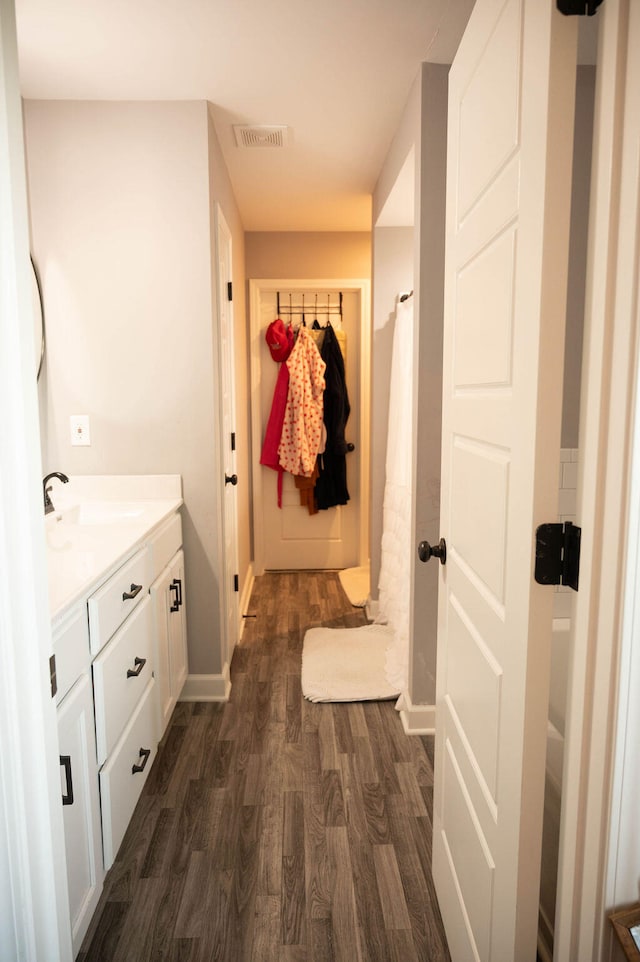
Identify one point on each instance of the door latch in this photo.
(558, 554)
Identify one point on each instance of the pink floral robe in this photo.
(302, 425)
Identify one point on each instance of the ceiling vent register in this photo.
(261, 135)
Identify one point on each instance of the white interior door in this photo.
(511, 103)
(228, 427)
(34, 900)
(289, 538)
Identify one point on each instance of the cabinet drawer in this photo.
(112, 603)
(121, 782)
(71, 648)
(164, 544)
(121, 673)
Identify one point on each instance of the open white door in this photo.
(228, 427)
(34, 899)
(511, 103)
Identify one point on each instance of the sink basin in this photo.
(91, 513)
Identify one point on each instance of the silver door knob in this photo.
(426, 551)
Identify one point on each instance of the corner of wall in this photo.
(406, 136)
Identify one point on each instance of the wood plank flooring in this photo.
(272, 829)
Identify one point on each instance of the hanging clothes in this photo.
(302, 424)
(306, 487)
(317, 333)
(397, 548)
(280, 342)
(331, 486)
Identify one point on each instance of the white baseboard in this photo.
(207, 687)
(245, 597)
(417, 719)
(372, 607)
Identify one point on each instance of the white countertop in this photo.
(98, 523)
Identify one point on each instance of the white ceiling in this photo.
(337, 72)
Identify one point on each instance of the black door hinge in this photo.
(233, 440)
(52, 676)
(558, 554)
(578, 8)
(229, 291)
(236, 583)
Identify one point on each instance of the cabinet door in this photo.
(177, 627)
(161, 602)
(170, 631)
(81, 806)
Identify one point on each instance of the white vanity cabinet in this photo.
(115, 536)
(124, 693)
(78, 771)
(169, 618)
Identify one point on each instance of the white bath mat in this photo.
(346, 664)
(356, 584)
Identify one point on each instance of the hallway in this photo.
(271, 828)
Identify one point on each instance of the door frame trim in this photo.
(34, 899)
(590, 832)
(257, 287)
(229, 598)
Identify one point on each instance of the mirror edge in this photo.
(38, 316)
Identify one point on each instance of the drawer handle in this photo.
(139, 663)
(176, 585)
(65, 761)
(135, 590)
(144, 754)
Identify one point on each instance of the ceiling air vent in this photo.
(261, 135)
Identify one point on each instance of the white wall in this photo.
(581, 184)
(120, 198)
(394, 258)
(423, 128)
(428, 373)
(308, 254)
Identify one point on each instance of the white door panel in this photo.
(505, 293)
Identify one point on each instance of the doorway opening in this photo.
(289, 538)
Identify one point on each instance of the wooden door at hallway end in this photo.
(289, 538)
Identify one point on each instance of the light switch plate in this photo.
(80, 431)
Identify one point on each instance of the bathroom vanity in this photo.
(117, 592)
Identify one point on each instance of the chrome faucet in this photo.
(48, 504)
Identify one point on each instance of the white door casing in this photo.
(228, 427)
(34, 902)
(511, 102)
(289, 538)
(598, 864)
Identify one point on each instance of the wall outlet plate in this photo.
(80, 430)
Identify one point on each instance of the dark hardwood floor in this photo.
(272, 829)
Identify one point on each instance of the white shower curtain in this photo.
(397, 540)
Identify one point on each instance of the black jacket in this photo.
(331, 486)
